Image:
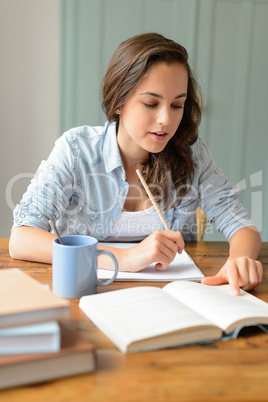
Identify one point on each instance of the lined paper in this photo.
(181, 268)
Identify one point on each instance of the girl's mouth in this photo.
(159, 135)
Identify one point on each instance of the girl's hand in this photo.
(160, 247)
(239, 272)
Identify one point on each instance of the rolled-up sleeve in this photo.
(219, 196)
(50, 190)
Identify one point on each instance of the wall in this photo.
(29, 94)
(235, 89)
(232, 64)
(227, 45)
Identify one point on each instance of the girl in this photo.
(89, 183)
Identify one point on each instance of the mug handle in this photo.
(109, 281)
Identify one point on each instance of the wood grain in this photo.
(223, 371)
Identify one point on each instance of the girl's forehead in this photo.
(164, 75)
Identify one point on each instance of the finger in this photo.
(165, 245)
(162, 256)
(248, 272)
(253, 278)
(165, 258)
(177, 238)
(216, 280)
(259, 270)
(255, 275)
(223, 277)
(233, 279)
(168, 251)
(160, 267)
(170, 245)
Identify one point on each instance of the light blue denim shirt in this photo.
(82, 186)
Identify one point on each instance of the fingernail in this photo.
(236, 292)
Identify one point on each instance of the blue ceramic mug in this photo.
(74, 266)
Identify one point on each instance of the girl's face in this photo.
(152, 114)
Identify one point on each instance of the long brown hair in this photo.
(130, 62)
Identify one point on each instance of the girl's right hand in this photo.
(160, 247)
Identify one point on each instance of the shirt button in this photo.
(33, 209)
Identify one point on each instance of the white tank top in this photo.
(135, 226)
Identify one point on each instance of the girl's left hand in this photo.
(240, 272)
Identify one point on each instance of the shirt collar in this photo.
(111, 153)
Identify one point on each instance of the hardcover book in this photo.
(23, 300)
(76, 356)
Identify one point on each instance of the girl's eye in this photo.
(150, 104)
(155, 104)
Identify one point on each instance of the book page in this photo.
(182, 267)
(133, 314)
(219, 305)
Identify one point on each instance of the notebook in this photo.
(181, 268)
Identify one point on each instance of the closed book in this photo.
(35, 338)
(23, 300)
(76, 356)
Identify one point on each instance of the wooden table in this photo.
(223, 371)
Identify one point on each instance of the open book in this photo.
(182, 267)
(183, 312)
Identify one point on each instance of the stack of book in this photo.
(36, 341)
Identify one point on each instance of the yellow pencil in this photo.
(150, 195)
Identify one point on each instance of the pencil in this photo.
(150, 195)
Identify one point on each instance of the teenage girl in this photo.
(88, 185)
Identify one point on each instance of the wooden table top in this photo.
(236, 370)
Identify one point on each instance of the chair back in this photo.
(201, 223)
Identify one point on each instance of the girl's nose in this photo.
(164, 116)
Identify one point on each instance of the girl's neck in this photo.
(132, 160)
(132, 155)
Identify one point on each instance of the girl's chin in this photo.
(155, 149)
